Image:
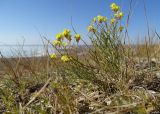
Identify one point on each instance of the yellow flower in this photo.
(114, 7)
(59, 36)
(65, 58)
(78, 37)
(121, 28)
(66, 33)
(119, 15)
(105, 19)
(100, 18)
(57, 43)
(65, 44)
(112, 21)
(94, 19)
(53, 56)
(117, 8)
(91, 29)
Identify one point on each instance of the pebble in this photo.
(158, 74)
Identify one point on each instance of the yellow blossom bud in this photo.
(121, 28)
(117, 8)
(94, 19)
(78, 37)
(119, 15)
(65, 58)
(105, 19)
(101, 19)
(57, 43)
(112, 21)
(114, 7)
(59, 36)
(66, 32)
(53, 56)
(67, 35)
(91, 29)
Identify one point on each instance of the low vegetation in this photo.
(108, 76)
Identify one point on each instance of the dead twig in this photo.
(39, 92)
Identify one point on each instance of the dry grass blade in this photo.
(39, 92)
(116, 107)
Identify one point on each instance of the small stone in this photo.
(158, 74)
(107, 101)
(81, 100)
(153, 63)
(153, 59)
(151, 92)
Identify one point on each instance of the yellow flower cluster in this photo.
(94, 19)
(57, 43)
(77, 37)
(65, 34)
(114, 7)
(91, 29)
(119, 15)
(60, 42)
(121, 28)
(65, 58)
(100, 19)
(59, 37)
(112, 21)
(53, 56)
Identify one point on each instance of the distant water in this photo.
(25, 50)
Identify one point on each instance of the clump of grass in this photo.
(103, 63)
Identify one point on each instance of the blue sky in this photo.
(24, 19)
